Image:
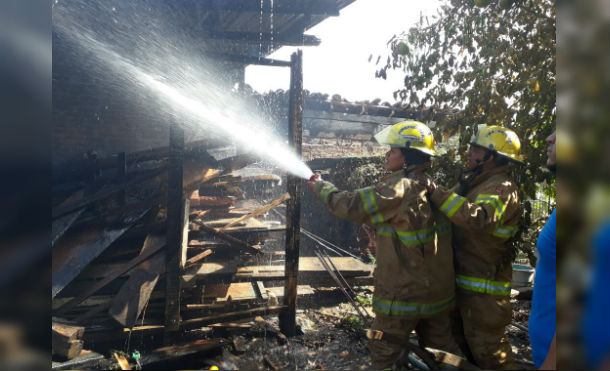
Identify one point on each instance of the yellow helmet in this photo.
(501, 140)
(408, 134)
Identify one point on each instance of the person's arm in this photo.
(371, 205)
(550, 362)
(486, 212)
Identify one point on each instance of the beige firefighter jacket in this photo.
(414, 273)
(484, 220)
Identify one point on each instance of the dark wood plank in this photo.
(266, 37)
(233, 242)
(61, 225)
(174, 352)
(73, 254)
(234, 163)
(175, 226)
(159, 244)
(92, 312)
(133, 296)
(196, 322)
(326, 7)
(88, 360)
(287, 316)
(102, 334)
(66, 208)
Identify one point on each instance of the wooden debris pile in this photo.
(110, 242)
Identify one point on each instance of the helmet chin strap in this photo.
(405, 165)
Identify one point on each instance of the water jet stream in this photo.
(193, 98)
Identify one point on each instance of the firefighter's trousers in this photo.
(433, 331)
(479, 327)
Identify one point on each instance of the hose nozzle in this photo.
(314, 177)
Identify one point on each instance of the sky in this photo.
(339, 65)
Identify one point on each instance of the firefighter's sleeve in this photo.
(366, 205)
(485, 213)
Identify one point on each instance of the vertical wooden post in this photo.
(121, 170)
(175, 227)
(293, 210)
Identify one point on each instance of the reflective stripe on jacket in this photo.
(414, 272)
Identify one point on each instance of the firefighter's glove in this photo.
(312, 181)
(427, 182)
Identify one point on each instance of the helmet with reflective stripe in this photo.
(408, 134)
(500, 140)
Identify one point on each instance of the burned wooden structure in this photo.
(157, 236)
(126, 264)
(164, 242)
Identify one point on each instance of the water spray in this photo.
(187, 88)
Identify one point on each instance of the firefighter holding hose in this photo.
(414, 276)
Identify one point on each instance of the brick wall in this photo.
(339, 148)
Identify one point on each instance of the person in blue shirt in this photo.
(542, 315)
(596, 318)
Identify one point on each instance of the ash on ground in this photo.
(332, 337)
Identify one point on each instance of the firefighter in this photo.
(484, 209)
(414, 279)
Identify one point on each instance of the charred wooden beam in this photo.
(92, 312)
(158, 245)
(234, 242)
(234, 163)
(72, 255)
(293, 209)
(61, 225)
(248, 59)
(174, 352)
(175, 227)
(81, 169)
(267, 37)
(93, 196)
(121, 171)
(89, 361)
(136, 291)
(202, 321)
(313, 7)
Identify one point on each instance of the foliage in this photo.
(354, 324)
(365, 300)
(492, 61)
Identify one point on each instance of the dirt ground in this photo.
(332, 338)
